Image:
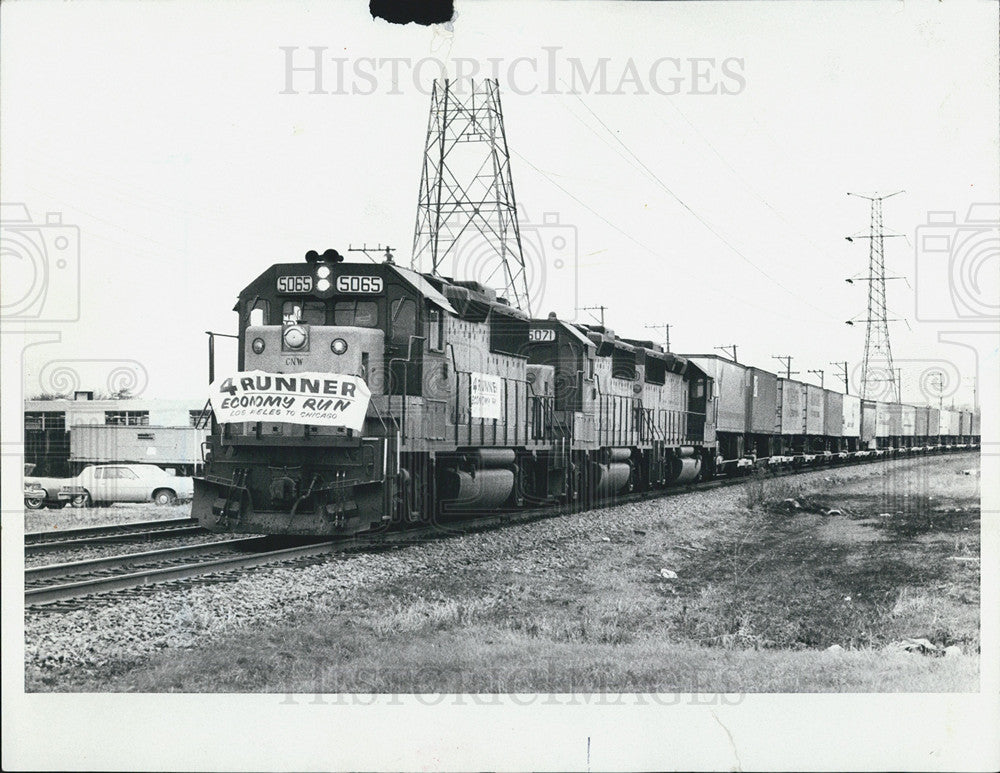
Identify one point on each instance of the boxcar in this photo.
(908, 416)
(729, 380)
(761, 410)
(833, 418)
(177, 447)
(852, 421)
(965, 419)
(791, 407)
(951, 422)
(814, 410)
(869, 423)
(921, 413)
(934, 424)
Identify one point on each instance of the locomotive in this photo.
(471, 406)
(369, 396)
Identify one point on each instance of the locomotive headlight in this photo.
(323, 284)
(338, 346)
(295, 337)
(257, 346)
(323, 272)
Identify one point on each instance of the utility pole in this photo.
(842, 367)
(666, 333)
(939, 379)
(726, 350)
(877, 347)
(466, 211)
(602, 309)
(787, 360)
(895, 377)
(822, 374)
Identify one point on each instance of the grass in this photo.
(762, 589)
(487, 659)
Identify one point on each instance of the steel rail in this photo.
(72, 568)
(99, 531)
(50, 594)
(118, 535)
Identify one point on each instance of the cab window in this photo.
(355, 313)
(435, 329)
(404, 320)
(303, 313)
(257, 314)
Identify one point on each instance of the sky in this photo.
(702, 184)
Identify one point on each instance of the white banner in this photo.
(487, 396)
(323, 399)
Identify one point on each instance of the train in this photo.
(369, 396)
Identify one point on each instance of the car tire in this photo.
(164, 496)
(34, 503)
(81, 500)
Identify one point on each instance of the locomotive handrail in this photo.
(406, 382)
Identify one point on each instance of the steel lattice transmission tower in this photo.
(877, 366)
(466, 213)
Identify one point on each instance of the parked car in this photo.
(34, 496)
(104, 484)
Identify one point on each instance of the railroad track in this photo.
(57, 585)
(51, 541)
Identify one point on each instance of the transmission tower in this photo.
(877, 367)
(466, 213)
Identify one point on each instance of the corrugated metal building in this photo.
(56, 447)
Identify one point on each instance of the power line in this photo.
(708, 226)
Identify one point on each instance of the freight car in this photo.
(369, 397)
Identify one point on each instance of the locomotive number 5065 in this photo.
(355, 283)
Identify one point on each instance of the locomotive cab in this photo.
(319, 333)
